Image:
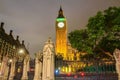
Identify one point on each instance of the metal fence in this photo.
(86, 70)
(88, 76)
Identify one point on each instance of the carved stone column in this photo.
(25, 68)
(117, 58)
(6, 73)
(4, 68)
(12, 70)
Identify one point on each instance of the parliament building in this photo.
(71, 57)
(63, 46)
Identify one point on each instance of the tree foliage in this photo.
(102, 34)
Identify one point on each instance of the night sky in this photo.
(34, 20)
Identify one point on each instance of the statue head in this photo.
(48, 44)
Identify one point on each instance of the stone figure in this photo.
(117, 58)
(38, 66)
(48, 61)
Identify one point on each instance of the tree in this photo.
(102, 34)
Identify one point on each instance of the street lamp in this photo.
(10, 61)
(21, 51)
(21, 54)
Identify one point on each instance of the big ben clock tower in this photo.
(61, 35)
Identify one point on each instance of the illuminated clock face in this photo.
(60, 24)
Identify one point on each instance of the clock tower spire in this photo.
(61, 35)
(60, 14)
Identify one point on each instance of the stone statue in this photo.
(48, 61)
(38, 66)
(116, 55)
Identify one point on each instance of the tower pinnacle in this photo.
(60, 14)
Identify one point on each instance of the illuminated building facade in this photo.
(62, 46)
(9, 50)
(61, 35)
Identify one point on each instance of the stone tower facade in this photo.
(61, 35)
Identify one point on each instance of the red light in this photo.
(82, 74)
(31, 69)
(68, 74)
(75, 76)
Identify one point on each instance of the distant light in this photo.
(57, 71)
(31, 69)
(69, 69)
(63, 69)
(75, 76)
(66, 69)
(59, 68)
(82, 74)
(68, 74)
(10, 60)
(14, 47)
(18, 70)
(21, 51)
